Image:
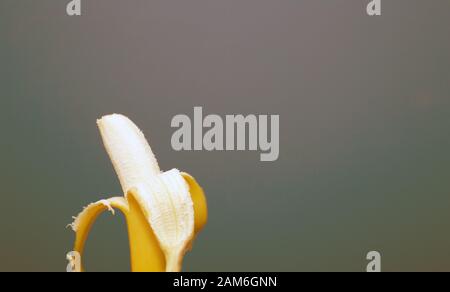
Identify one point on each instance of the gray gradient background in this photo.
(364, 105)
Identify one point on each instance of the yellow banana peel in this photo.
(164, 211)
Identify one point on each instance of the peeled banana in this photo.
(164, 210)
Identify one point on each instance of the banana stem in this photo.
(174, 262)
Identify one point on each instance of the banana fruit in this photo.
(164, 210)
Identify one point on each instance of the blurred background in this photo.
(364, 105)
